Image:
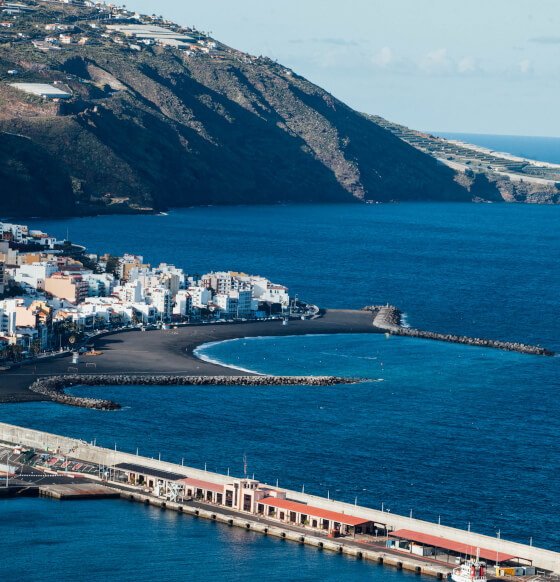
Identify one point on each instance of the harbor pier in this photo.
(366, 533)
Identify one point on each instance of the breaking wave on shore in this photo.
(199, 352)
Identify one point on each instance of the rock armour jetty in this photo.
(388, 318)
(53, 387)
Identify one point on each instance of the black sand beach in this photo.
(171, 351)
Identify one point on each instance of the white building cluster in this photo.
(58, 294)
(20, 234)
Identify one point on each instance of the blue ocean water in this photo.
(464, 433)
(544, 149)
(468, 435)
(486, 270)
(104, 540)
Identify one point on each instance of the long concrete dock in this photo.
(66, 492)
(542, 559)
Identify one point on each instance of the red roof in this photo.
(459, 547)
(313, 511)
(206, 485)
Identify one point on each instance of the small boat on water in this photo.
(470, 571)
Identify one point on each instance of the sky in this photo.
(482, 66)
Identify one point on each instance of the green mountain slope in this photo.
(150, 127)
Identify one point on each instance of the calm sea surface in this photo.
(545, 149)
(468, 434)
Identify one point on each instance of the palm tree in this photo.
(15, 352)
(35, 347)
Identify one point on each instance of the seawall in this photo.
(389, 319)
(53, 387)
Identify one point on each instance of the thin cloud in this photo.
(546, 39)
(526, 66)
(328, 41)
(384, 58)
(433, 63)
(436, 62)
(467, 65)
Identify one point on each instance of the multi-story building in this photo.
(100, 285)
(37, 314)
(2, 277)
(183, 304)
(223, 283)
(72, 288)
(127, 263)
(264, 290)
(162, 301)
(227, 304)
(35, 274)
(8, 317)
(40, 238)
(131, 292)
(201, 296)
(244, 302)
(13, 232)
(7, 255)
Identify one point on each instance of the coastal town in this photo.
(54, 295)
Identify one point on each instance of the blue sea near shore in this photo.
(544, 149)
(466, 433)
(97, 541)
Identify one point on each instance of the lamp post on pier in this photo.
(8, 468)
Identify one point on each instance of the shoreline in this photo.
(203, 358)
(172, 352)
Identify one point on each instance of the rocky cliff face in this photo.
(157, 127)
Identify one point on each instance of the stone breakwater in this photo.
(53, 387)
(385, 317)
(389, 319)
(474, 341)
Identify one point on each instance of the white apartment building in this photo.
(172, 270)
(138, 271)
(39, 237)
(183, 304)
(35, 274)
(14, 232)
(264, 290)
(8, 317)
(276, 294)
(222, 282)
(146, 312)
(227, 304)
(244, 302)
(132, 292)
(100, 285)
(127, 263)
(200, 296)
(162, 301)
(164, 275)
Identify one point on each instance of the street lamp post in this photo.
(8, 468)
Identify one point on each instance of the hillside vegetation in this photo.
(151, 127)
